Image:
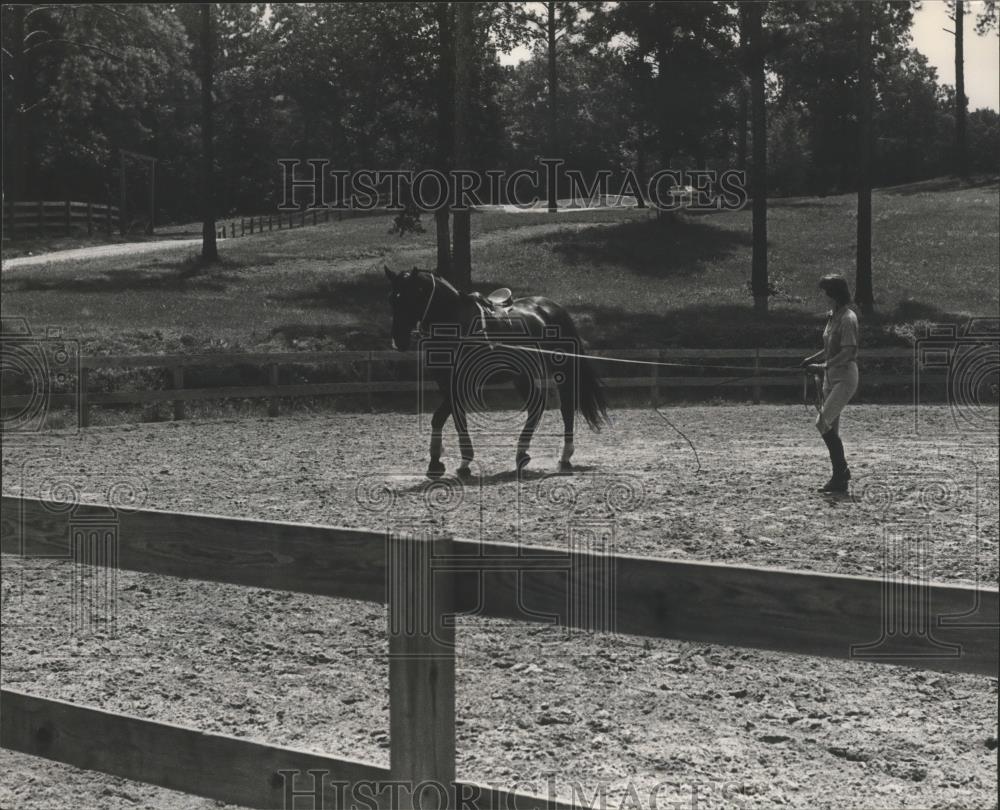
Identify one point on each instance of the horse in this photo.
(469, 338)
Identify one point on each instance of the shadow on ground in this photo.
(359, 315)
(188, 275)
(671, 247)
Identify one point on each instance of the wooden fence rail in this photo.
(426, 580)
(653, 379)
(40, 215)
(232, 227)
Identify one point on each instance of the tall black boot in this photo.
(841, 473)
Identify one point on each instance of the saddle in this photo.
(497, 301)
(494, 313)
(502, 298)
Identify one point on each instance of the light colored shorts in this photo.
(839, 386)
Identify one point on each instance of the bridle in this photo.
(421, 324)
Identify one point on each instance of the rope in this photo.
(660, 363)
(682, 435)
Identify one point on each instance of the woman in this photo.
(840, 374)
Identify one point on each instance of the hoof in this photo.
(464, 473)
(835, 486)
(435, 469)
(522, 461)
(565, 467)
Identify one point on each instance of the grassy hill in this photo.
(629, 279)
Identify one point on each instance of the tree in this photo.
(986, 20)
(961, 102)
(814, 59)
(461, 270)
(445, 14)
(759, 284)
(863, 283)
(209, 248)
(553, 26)
(114, 72)
(664, 45)
(744, 92)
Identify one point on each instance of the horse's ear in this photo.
(388, 273)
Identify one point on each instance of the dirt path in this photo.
(748, 729)
(98, 251)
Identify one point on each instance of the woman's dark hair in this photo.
(836, 287)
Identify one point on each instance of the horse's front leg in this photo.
(436, 468)
(464, 440)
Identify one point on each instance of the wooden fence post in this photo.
(107, 218)
(421, 669)
(232, 230)
(69, 217)
(90, 219)
(178, 374)
(326, 215)
(243, 226)
(83, 404)
(272, 380)
(756, 376)
(314, 216)
(251, 226)
(269, 222)
(302, 221)
(41, 215)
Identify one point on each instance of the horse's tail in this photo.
(589, 389)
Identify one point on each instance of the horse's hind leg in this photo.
(567, 405)
(534, 396)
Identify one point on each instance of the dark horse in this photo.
(470, 339)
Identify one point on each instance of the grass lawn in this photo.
(629, 279)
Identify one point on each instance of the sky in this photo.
(982, 53)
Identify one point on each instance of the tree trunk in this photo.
(961, 102)
(743, 116)
(863, 281)
(16, 122)
(444, 14)
(464, 45)
(209, 247)
(553, 104)
(758, 180)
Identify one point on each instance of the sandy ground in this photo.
(533, 703)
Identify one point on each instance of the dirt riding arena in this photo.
(538, 707)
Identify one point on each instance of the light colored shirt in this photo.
(841, 331)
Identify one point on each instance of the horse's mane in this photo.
(440, 280)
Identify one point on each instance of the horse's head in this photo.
(408, 299)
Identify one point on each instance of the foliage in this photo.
(641, 85)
